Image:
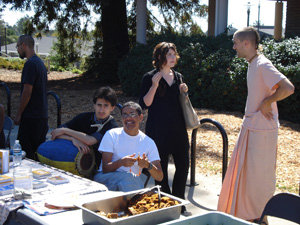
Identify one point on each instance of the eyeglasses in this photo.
(17, 46)
(131, 115)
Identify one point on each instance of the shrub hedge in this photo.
(215, 76)
(11, 63)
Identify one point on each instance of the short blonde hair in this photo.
(248, 33)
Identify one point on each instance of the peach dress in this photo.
(250, 178)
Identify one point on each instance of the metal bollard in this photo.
(58, 104)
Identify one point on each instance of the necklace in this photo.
(253, 57)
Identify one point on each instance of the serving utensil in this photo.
(148, 192)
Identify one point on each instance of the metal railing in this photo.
(194, 145)
(8, 97)
(58, 105)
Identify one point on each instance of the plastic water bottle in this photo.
(17, 153)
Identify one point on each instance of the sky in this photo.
(237, 13)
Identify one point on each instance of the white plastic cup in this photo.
(22, 183)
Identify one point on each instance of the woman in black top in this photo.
(159, 94)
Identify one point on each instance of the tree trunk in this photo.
(114, 25)
(115, 33)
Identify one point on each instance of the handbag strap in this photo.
(180, 79)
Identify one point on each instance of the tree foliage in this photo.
(180, 13)
(20, 25)
(7, 34)
(114, 32)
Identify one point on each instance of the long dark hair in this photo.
(160, 59)
(160, 52)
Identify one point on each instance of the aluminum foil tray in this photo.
(119, 204)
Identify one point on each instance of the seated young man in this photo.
(88, 128)
(120, 147)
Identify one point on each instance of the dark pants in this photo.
(181, 161)
(2, 139)
(32, 133)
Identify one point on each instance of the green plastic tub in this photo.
(211, 218)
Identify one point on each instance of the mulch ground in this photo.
(75, 93)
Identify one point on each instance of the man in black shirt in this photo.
(32, 113)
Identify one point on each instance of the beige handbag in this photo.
(189, 114)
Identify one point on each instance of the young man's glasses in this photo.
(131, 115)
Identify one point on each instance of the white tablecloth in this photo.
(72, 191)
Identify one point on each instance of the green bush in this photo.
(285, 56)
(285, 53)
(18, 64)
(78, 71)
(133, 67)
(139, 60)
(215, 82)
(215, 76)
(11, 63)
(57, 68)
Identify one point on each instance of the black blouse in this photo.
(165, 118)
